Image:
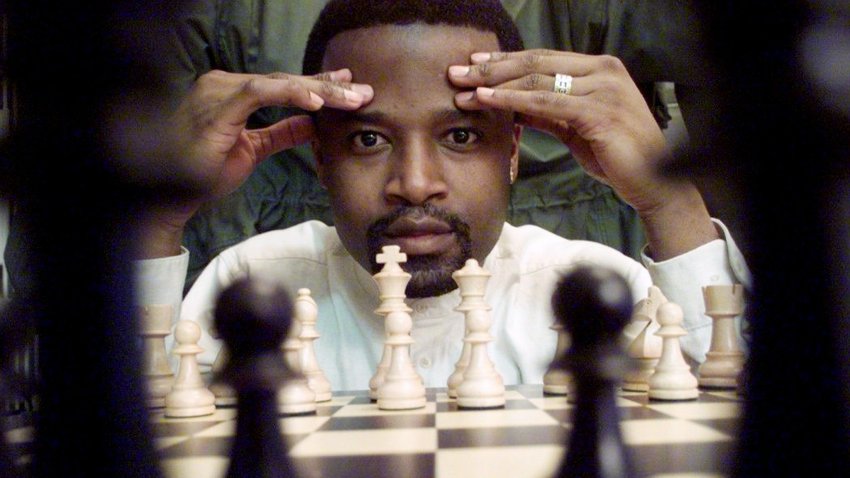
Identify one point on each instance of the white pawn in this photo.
(725, 359)
(295, 397)
(672, 379)
(189, 396)
(305, 312)
(155, 323)
(482, 386)
(402, 387)
(225, 395)
(645, 349)
(557, 379)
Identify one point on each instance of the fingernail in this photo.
(480, 57)
(353, 97)
(364, 90)
(316, 99)
(482, 91)
(465, 96)
(458, 70)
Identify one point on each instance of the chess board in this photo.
(350, 437)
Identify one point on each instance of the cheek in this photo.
(485, 192)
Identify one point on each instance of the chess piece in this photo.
(295, 397)
(252, 317)
(389, 302)
(189, 396)
(456, 377)
(305, 313)
(672, 379)
(225, 396)
(557, 379)
(155, 325)
(8, 344)
(595, 305)
(725, 359)
(645, 349)
(402, 387)
(482, 386)
(381, 371)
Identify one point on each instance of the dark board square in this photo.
(500, 436)
(382, 422)
(366, 466)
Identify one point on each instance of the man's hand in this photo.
(209, 129)
(606, 124)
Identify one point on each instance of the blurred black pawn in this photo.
(253, 317)
(8, 469)
(595, 305)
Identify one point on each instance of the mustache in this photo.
(378, 228)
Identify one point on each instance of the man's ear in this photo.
(321, 164)
(515, 152)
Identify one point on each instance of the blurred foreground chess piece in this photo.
(594, 305)
(253, 317)
(8, 343)
(154, 328)
(645, 349)
(725, 359)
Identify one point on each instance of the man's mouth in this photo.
(420, 235)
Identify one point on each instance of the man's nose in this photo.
(417, 175)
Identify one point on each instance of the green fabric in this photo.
(552, 191)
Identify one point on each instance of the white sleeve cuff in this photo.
(160, 281)
(681, 279)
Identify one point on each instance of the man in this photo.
(420, 151)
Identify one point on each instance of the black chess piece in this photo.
(8, 469)
(594, 305)
(253, 317)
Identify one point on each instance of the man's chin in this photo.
(431, 276)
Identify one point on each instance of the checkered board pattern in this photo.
(350, 437)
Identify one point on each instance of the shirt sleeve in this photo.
(160, 281)
(681, 279)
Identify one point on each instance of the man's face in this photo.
(410, 168)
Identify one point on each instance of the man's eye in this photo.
(367, 139)
(462, 136)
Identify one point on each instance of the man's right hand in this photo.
(209, 129)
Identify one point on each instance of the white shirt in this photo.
(525, 264)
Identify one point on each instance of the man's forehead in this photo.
(385, 47)
(407, 66)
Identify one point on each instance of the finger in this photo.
(342, 75)
(280, 89)
(518, 66)
(284, 134)
(343, 78)
(342, 94)
(494, 56)
(333, 88)
(579, 86)
(534, 103)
